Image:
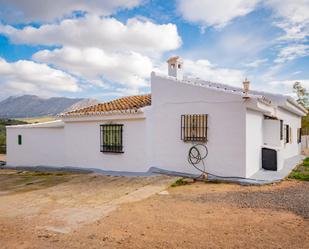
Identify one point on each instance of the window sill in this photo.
(112, 152)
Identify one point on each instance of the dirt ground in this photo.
(2, 157)
(305, 152)
(60, 210)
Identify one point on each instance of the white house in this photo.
(244, 130)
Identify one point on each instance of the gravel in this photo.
(294, 198)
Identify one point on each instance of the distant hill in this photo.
(81, 104)
(34, 106)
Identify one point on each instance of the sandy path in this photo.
(82, 200)
(193, 216)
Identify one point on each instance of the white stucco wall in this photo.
(82, 146)
(293, 148)
(254, 141)
(236, 135)
(226, 127)
(261, 133)
(40, 146)
(77, 144)
(271, 132)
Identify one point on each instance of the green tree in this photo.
(302, 94)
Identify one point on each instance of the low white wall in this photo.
(82, 146)
(40, 146)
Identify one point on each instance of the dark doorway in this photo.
(269, 159)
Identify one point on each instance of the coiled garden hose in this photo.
(197, 154)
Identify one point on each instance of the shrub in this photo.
(180, 182)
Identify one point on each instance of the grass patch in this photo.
(306, 162)
(301, 172)
(299, 176)
(180, 182)
(42, 173)
(34, 120)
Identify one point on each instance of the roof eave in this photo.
(294, 108)
(297, 105)
(261, 106)
(127, 114)
(49, 124)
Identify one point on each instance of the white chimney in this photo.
(175, 67)
(246, 86)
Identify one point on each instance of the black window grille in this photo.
(194, 127)
(287, 134)
(111, 138)
(281, 129)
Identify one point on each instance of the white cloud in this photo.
(28, 77)
(256, 63)
(286, 86)
(292, 52)
(207, 71)
(130, 69)
(101, 51)
(215, 13)
(289, 15)
(49, 10)
(293, 31)
(105, 33)
(292, 16)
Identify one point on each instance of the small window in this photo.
(111, 138)
(281, 129)
(20, 140)
(290, 134)
(287, 134)
(299, 131)
(194, 127)
(179, 66)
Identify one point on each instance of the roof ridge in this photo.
(253, 91)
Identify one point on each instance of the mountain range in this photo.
(33, 106)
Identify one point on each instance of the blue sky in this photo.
(106, 49)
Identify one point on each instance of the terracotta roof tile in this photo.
(121, 104)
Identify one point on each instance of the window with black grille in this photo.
(111, 138)
(287, 134)
(194, 127)
(281, 129)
